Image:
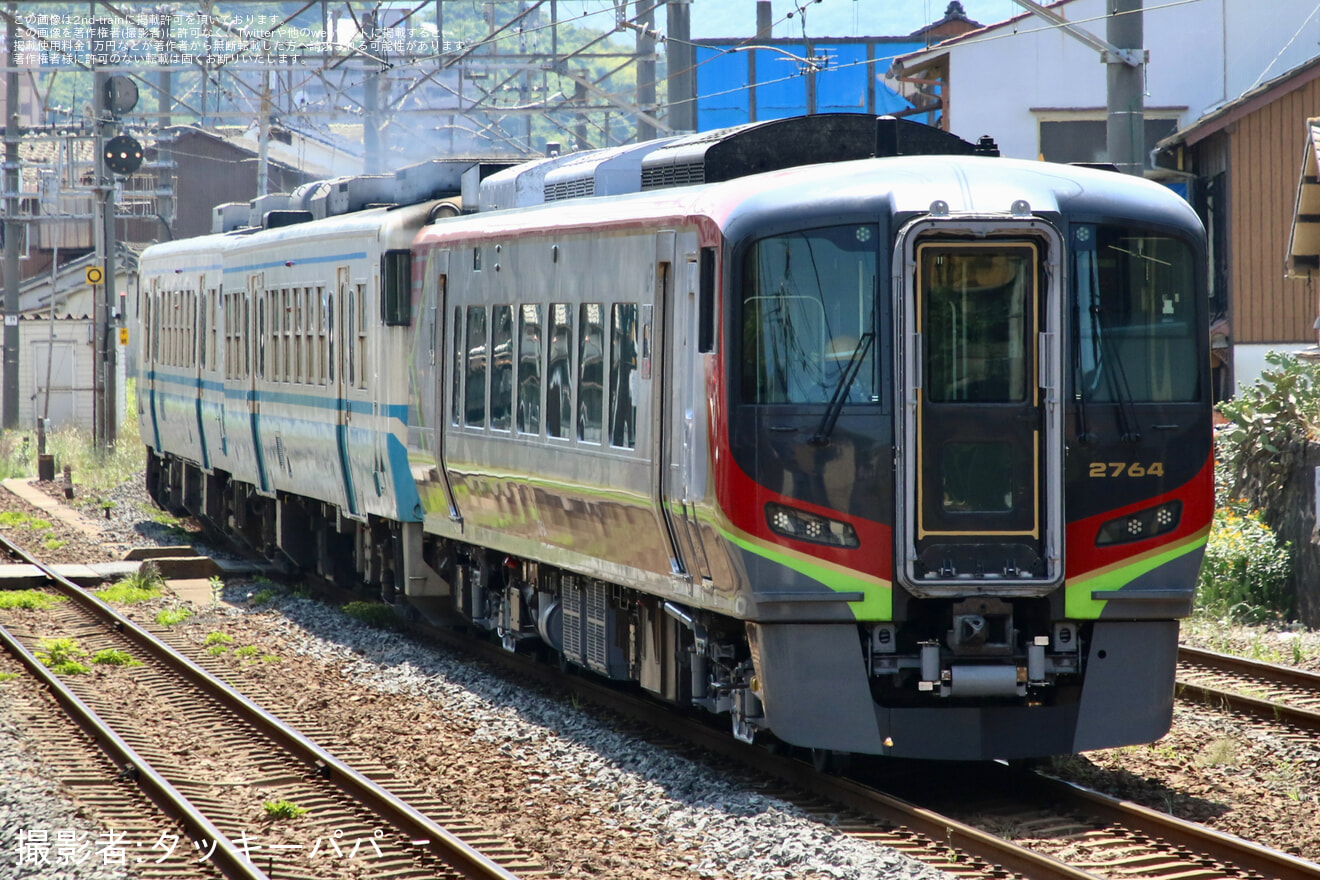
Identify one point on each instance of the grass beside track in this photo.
(94, 469)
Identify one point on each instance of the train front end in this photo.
(970, 471)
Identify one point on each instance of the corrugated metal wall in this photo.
(1264, 156)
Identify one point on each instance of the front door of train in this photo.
(982, 467)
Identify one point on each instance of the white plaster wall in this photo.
(1201, 54)
(1249, 360)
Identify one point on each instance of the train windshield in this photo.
(808, 301)
(1133, 316)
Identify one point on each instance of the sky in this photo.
(838, 18)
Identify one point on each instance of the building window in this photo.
(1084, 139)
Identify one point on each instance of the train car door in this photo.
(673, 364)
(150, 344)
(440, 330)
(339, 335)
(982, 465)
(254, 327)
(200, 323)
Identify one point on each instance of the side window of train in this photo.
(456, 404)
(286, 343)
(350, 311)
(396, 288)
(623, 376)
(559, 374)
(475, 401)
(501, 368)
(201, 329)
(591, 372)
(706, 323)
(213, 303)
(808, 302)
(362, 335)
(155, 329)
(330, 336)
(274, 325)
(322, 336)
(529, 368)
(261, 337)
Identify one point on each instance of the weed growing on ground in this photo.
(372, 614)
(28, 600)
(143, 584)
(52, 543)
(282, 809)
(1219, 751)
(61, 656)
(171, 616)
(8, 676)
(218, 638)
(95, 468)
(261, 597)
(115, 657)
(247, 652)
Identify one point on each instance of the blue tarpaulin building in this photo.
(738, 84)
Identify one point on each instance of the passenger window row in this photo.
(500, 356)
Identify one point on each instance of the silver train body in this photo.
(541, 421)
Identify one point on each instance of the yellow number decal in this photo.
(1134, 469)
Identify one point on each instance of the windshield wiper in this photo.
(841, 388)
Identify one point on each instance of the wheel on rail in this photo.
(830, 761)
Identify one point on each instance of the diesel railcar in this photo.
(903, 455)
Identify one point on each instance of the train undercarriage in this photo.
(943, 659)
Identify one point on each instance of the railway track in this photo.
(1053, 830)
(1268, 691)
(220, 750)
(979, 820)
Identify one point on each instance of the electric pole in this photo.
(13, 226)
(1125, 134)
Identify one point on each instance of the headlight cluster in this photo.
(803, 526)
(1143, 524)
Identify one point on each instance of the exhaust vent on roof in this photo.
(229, 216)
(601, 172)
(757, 147)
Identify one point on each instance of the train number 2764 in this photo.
(1126, 469)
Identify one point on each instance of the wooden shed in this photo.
(1242, 162)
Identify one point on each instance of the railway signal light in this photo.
(123, 154)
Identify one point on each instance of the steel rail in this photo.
(133, 766)
(1216, 845)
(995, 851)
(424, 833)
(1272, 672)
(1225, 848)
(1267, 710)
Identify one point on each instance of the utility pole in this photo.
(103, 409)
(165, 141)
(1126, 128)
(263, 124)
(13, 226)
(645, 67)
(682, 62)
(371, 94)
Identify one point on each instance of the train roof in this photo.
(906, 185)
(371, 224)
